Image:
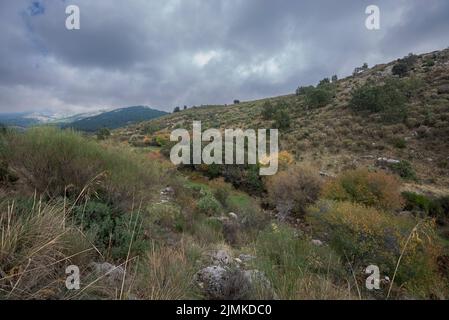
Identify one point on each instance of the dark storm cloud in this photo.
(177, 52)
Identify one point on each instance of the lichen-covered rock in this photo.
(212, 281)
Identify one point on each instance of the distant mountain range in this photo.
(89, 122)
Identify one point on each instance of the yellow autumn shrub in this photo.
(370, 188)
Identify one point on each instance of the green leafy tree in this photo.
(387, 99)
(268, 110)
(400, 69)
(282, 119)
(318, 97)
(103, 134)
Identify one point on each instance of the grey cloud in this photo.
(176, 52)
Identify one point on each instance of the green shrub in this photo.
(438, 208)
(209, 205)
(366, 236)
(324, 82)
(167, 215)
(268, 110)
(318, 97)
(303, 90)
(404, 169)
(400, 69)
(151, 128)
(429, 63)
(111, 228)
(282, 120)
(387, 99)
(399, 143)
(103, 134)
(221, 191)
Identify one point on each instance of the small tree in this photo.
(387, 99)
(236, 101)
(268, 110)
(303, 90)
(282, 119)
(324, 82)
(177, 109)
(318, 97)
(334, 78)
(103, 134)
(400, 69)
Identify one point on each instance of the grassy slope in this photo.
(334, 138)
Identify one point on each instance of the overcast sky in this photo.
(165, 53)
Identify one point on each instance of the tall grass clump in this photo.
(62, 162)
(37, 243)
(293, 264)
(166, 273)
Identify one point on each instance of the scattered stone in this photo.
(212, 280)
(167, 194)
(444, 89)
(233, 215)
(317, 243)
(222, 219)
(220, 283)
(246, 257)
(385, 162)
(325, 174)
(221, 258)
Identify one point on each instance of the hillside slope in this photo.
(335, 137)
(116, 118)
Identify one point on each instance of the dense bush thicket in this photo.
(434, 207)
(405, 65)
(387, 99)
(375, 189)
(278, 113)
(319, 96)
(404, 169)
